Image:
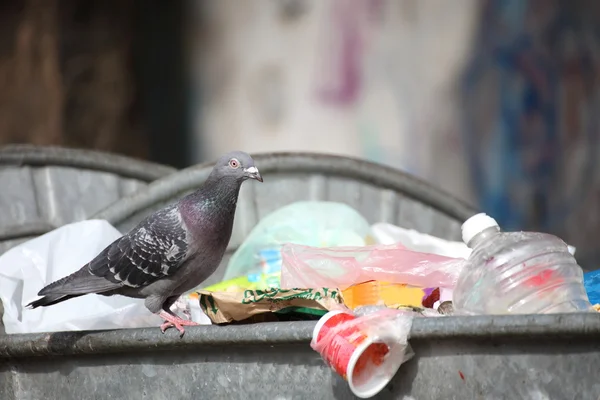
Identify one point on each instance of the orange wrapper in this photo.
(392, 295)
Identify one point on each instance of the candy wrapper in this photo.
(392, 295)
(366, 351)
(247, 306)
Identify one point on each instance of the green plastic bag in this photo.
(310, 223)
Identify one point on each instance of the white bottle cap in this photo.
(475, 225)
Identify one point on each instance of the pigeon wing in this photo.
(154, 250)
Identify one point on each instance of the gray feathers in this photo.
(77, 283)
(154, 250)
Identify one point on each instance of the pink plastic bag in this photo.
(342, 267)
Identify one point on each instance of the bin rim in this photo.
(40, 156)
(482, 329)
(383, 176)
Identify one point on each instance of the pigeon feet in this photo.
(175, 321)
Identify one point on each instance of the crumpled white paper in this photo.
(389, 234)
(27, 268)
(385, 233)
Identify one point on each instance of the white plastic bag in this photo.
(384, 233)
(27, 268)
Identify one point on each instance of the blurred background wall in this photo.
(66, 76)
(100, 74)
(495, 101)
(372, 78)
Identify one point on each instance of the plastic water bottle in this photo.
(517, 273)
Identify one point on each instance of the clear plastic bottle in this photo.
(517, 273)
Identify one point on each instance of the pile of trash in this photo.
(322, 261)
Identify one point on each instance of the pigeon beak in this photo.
(253, 173)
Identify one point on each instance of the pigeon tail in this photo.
(51, 300)
(79, 283)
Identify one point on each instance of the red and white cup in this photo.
(367, 364)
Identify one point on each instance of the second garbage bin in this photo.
(46, 187)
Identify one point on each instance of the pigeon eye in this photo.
(233, 163)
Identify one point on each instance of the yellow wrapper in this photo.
(382, 293)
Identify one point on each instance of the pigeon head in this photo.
(236, 164)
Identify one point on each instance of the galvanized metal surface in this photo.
(379, 193)
(489, 357)
(46, 187)
(92, 160)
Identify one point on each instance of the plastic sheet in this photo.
(342, 267)
(591, 282)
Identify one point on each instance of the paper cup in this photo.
(367, 365)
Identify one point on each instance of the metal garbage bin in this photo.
(46, 187)
(491, 357)
(487, 357)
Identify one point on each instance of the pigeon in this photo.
(170, 252)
